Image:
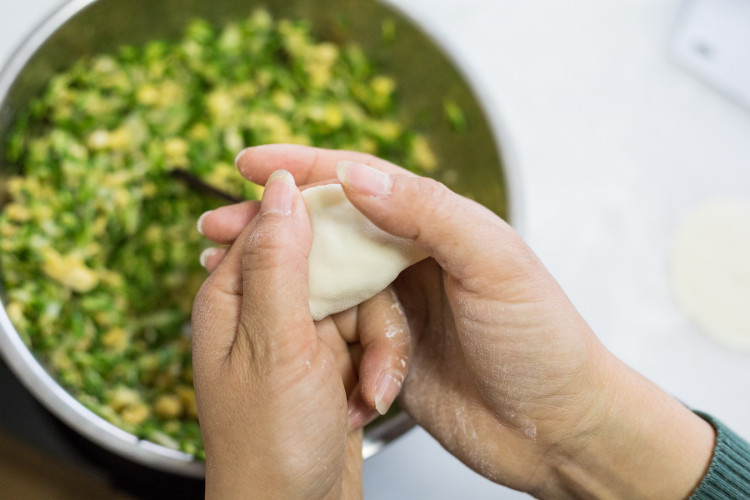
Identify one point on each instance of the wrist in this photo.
(637, 442)
(241, 480)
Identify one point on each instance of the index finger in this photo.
(307, 164)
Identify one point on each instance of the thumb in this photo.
(274, 265)
(460, 234)
(257, 296)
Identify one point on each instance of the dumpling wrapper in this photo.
(351, 259)
(710, 269)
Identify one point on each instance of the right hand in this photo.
(504, 372)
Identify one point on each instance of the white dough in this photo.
(710, 270)
(351, 259)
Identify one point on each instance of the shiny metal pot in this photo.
(477, 160)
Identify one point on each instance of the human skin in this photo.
(272, 385)
(504, 372)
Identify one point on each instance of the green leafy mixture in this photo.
(98, 247)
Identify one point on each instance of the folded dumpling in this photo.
(351, 259)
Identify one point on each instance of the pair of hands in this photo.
(502, 370)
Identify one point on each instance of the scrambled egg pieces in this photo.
(69, 270)
(98, 247)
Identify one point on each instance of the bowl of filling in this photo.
(119, 123)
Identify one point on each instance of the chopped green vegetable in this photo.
(455, 115)
(388, 30)
(98, 246)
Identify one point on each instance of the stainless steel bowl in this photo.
(478, 160)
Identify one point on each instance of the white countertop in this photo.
(615, 143)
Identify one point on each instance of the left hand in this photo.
(272, 385)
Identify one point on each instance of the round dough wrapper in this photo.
(351, 259)
(710, 270)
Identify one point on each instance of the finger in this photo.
(460, 234)
(384, 335)
(275, 306)
(224, 224)
(360, 414)
(308, 165)
(328, 332)
(210, 258)
(346, 323)
(217, 304)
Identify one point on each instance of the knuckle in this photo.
(432, 195)
(369, 159)
(264, 240)
(431, 200)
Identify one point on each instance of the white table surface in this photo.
(614, 143)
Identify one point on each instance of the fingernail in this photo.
(386, 390)
(359, 416)
(239, 155)
(199, 224)
(278, 196)
(205, 254)
(363, 178)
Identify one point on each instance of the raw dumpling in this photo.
(351, 259)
